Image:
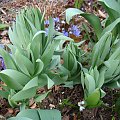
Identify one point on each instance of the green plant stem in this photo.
(22, 106)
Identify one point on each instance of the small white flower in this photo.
(81, 108)
(60, 102)
(80, 104)
(63, 22)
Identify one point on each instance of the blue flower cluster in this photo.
(73, 29)
(2, 65)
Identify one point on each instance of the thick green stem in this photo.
(22, 106)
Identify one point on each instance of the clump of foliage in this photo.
(104, 69)
(33, 61)
(37, 56)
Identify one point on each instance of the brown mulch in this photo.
(66, 100)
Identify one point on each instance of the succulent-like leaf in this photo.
(28, 91)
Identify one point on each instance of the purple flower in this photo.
(65, 33)
(2, 65)
(46, 22)
(56, 19)
(75, 30)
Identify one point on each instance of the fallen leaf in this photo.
(10, 110)
(33, 106)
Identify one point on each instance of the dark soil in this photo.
(66, 100)
(69, 104)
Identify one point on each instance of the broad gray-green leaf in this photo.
(50, 83)
(110, 27)
(62, 37)
(49, 51)
(96, 75)
(51, 32)
(38, 33)
(111, 67)
(90, 83)
(56, 78)
(19, 118)
(40, 114)
(115, 54)
(72, 12)
(113, 4)
(28, 91)
(24, 64)
(115, 84)
(9, 62)
(42, 80)
(14, 79)
(101, 79)
(29, 113)
(68, 84)
(39, 67)
(4, 94)
(41, 97)
(49, 114)
(100, 47)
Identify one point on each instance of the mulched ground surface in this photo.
(64, 99)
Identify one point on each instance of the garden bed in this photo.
(64, 98)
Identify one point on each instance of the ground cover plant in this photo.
(45, 57)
